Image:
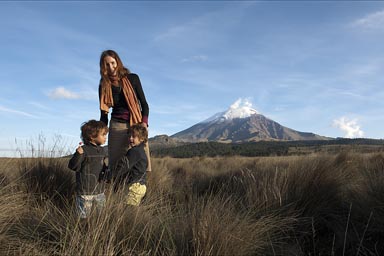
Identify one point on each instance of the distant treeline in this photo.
(260, 148)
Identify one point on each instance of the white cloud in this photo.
(350, 127)
(371, 21)
(209, 25)
(171, 33)
(196, 58)
(38, 105)
(62, 93)
(17, 112)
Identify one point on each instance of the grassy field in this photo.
(317, 204)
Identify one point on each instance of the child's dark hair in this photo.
(91, 129)
(140, 131)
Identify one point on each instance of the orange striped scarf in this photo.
(106, 100)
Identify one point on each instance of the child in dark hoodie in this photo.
(131, 170)
(90, 164)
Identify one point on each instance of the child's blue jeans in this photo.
(85, 203)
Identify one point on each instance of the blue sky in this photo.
(313, 66)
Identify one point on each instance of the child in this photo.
(131, 169)
(90, 164)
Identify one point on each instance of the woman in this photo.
(120, 90)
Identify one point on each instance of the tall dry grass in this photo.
(298, 205)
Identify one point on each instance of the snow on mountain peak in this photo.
(241, 108)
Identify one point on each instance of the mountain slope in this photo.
(241, 123)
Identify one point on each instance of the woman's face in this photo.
(111, 64)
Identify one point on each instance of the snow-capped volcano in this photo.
(241, 108)
(241, 123)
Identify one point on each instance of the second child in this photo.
(130, 173)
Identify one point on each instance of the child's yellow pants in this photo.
(136, 192)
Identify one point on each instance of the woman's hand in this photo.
(144, 125)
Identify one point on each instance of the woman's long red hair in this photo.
(121, 70)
